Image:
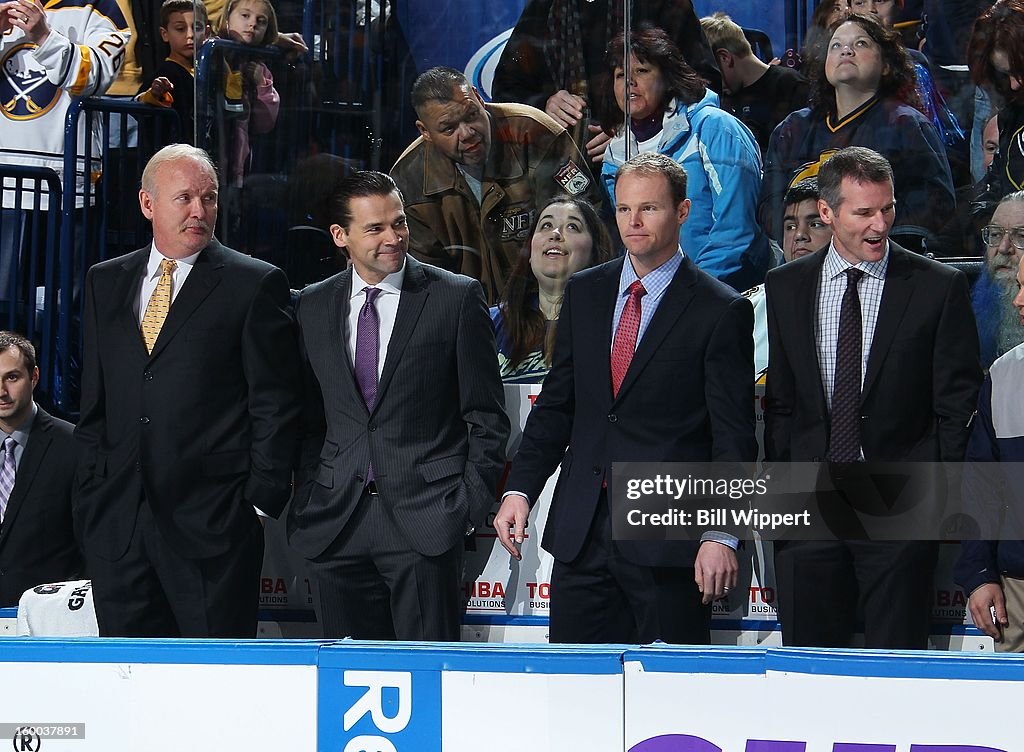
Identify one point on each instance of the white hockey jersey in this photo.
(79, 58)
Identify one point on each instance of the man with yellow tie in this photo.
(190, 401)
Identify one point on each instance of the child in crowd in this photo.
(184, 27)
(249, 86)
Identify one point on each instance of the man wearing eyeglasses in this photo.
(999, 327)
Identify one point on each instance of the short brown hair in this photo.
(648, 164)
(14, 341)
(859, 164)
(182, 6)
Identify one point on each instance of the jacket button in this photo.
(373, 427)
(815, 459)
(597, 470)
(613, 418)
(148, 375)
(138, 467)
(144, 420)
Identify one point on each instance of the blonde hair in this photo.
(725, 34)
(269, 38)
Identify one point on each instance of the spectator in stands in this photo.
(184, 27)
(610, 398)
(38, 458)
(999, 327)
(864, 95)
(191, 394)
(566, 236)
(803, 233)
(873, 357)
(554, 59)
(991, 572)
(409, 348)
(759, 94)
(990, 141)
(49, 57)
(249, 92)
(672, 113)
(474, 178)
(996, 59)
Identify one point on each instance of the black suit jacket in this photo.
(687, 397)
(437, 432)
(923, 375)
(206, 427)
(37, 537)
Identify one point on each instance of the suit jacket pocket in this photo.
(225, 463)
(325, 475)
(443, 468)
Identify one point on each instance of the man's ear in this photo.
(825, 211)
(339, 235)
(724, 58)
(146, 204)
(423, 130)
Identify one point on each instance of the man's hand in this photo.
(27, 15)
(566, 108)
(598, 142)
(980, 605)
(510, 523)
(715, 570)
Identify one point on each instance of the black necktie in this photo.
(844, 444)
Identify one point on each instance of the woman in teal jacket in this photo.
(673, 113)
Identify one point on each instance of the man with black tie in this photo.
(652, 363)
(37, 471)
(191, 394)
(405, 427)
(873, 357)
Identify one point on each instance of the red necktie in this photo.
(625, 335)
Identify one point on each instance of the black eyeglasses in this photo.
(993, 236)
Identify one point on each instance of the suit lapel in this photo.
(806, 293)
(125, 295)
(205, 275)
(895, 299)
(603, 315)
(414, 296)
(676, 300)
(31, 460)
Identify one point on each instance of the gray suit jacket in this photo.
(437, 433)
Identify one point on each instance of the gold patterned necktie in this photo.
(159, 304)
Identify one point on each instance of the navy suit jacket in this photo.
(686, 397)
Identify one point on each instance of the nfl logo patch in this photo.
(572, 179)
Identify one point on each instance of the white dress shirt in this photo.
(152, 276)
(387, 310)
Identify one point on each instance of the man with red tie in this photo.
(652, 363)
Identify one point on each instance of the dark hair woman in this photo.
(567, 236)
(863, 94)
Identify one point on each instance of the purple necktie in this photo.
(7, 473)
(367, 347)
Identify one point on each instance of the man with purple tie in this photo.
(405, 428)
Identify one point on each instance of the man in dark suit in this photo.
(873, 357)
(191, 393)
(38, 454)
(652, 363)
(406, 428)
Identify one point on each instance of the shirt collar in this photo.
(20, 434)
(155, 257)
(655, 281)
(836, 264)
(390, 285)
